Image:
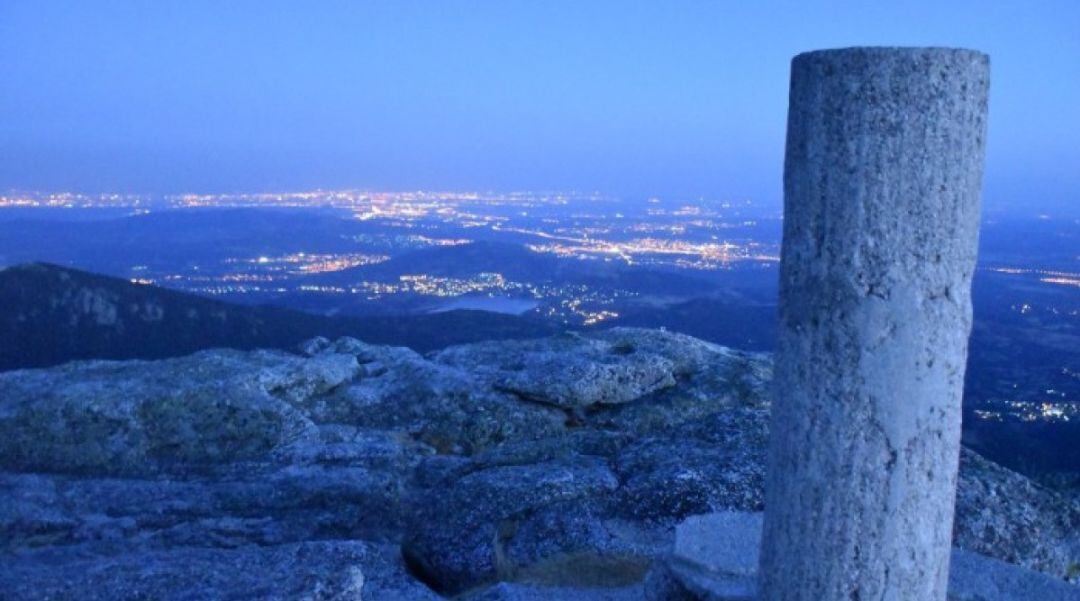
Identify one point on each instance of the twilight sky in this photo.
(634, 99)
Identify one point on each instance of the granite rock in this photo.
(224, 457)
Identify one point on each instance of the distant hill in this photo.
(171, 238)
(51, 314)
(735, 323)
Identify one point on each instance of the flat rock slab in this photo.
(736, 551)
(715, 558)
(974, 577)
(566, 371)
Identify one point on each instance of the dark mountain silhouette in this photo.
(51, 314)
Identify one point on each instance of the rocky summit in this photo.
(555, 468)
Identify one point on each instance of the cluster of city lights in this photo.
(72, 200)
(1029, 411)
(427, 285)
(309, 263)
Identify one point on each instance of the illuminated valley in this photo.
(575, 260)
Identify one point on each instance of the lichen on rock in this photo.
(440, 477)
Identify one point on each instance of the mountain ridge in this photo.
(51, 314)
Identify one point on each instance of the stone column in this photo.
(881, 212)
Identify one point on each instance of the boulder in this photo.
(448, 408)
(140, 417)
(1002, 514)
(699, 467)
(565, 371)
(467, 532)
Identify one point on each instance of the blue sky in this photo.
(635, 99)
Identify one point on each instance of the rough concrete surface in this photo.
(882, 182)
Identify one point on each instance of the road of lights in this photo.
(1047, 276)
(1062, 281)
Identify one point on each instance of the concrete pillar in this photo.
(881, 211)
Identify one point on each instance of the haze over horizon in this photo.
(686, 100)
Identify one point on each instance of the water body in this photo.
(495, 304)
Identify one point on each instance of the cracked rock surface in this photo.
(499, 470)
